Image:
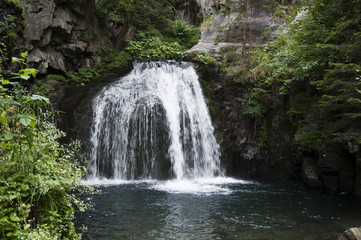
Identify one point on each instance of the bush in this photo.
(205, 58)
(154, 49)
(38, 176)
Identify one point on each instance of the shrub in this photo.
(38, 176)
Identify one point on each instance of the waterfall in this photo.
(153, 124)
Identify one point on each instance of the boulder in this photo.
(351, 234)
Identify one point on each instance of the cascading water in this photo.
(153, 124)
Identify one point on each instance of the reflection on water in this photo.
(229, 210)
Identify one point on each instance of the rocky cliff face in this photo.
(61, 35)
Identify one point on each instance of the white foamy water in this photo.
(219, 185)
(153, 124)
(203, 186)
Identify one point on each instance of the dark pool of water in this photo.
(241, 211)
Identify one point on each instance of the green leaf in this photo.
(2, 119)
(39, 98)
(28, 72)
(9, 101)
(9, 136)
(27, 120)
(14, 60)
(29, 132)
(24, 55)
(5, 82)
(14, 217)
(27, 226)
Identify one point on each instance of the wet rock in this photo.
(310, 173)
(351, 234)
(208, 7)
(188, 11)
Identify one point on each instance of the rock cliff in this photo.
(61, 35)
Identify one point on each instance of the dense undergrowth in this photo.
(38, 176)
(314, 71)
(152, 36)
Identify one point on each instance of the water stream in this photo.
(157, 163)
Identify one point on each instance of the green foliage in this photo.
(155, 36)
(81, 77)
(43, 88)
(112, 59)
(181, 32)
(143, 14)
(253, 108)
(24, 73)
(319, 59)
(56, 77)
(15, 3)
(170, 44)
(88, 37)
(37, 174)
(205, 58)
(10, 34)
(154, 49)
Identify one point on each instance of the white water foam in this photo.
(201, 186)
(204, 186)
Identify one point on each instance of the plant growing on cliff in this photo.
(154, 49)
(181, 32)
(170, 43)
(15, 3)
(205, 58)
